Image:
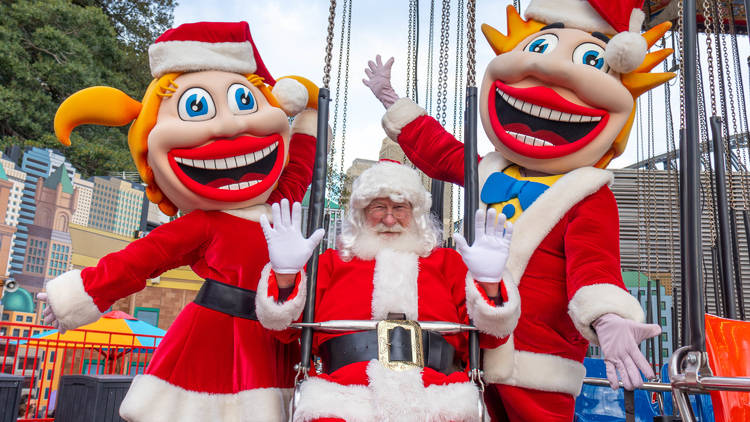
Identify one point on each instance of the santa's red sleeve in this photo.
(592, 251)
(425, 142)
(495, 322)
(79, 297)
(297, 174)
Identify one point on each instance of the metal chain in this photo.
(672, 170)
(430, 58)
(442, 87)
(728, 112)
(517, 5)
(652, 229)
(337, 101)
(458, 103)
(410, 48)
(329, 44)
(742, 109)
(344, 118)
(708, 24)
(681, 54)
(471, 42)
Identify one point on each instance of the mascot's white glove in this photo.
(379, 81)
(619, 339)
(288, 250)
(486, 258)
(49, 314)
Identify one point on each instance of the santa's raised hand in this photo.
(379, 81)
(288, 250)
(486, 258)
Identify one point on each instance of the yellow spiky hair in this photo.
(636, 82)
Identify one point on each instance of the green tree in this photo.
(53, 48)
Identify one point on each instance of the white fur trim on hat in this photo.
(591, 302)
(151, 399)
(390, 396)
(498, 321)
(400, 114)
(278, 316)
(68, 299)
(192, 56)
(393, 180)
(576, 14)
(291, 95)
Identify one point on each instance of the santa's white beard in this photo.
(372, 240)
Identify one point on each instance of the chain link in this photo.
(337, 99)
(430, 58)
(728, 112)
(344, 118)
(458, 104)
(442, 87)
(681, 54)
(741, 139)
(329, 44)
(410, 48)
(708, 25)
(471, 52)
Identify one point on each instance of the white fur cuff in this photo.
(278, 316)
(401, 113)
(72, 306)
(498, 321)
(591, 302)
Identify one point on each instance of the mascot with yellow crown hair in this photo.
(211, 139)
(558, 103)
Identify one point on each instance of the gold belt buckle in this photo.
(384, 351)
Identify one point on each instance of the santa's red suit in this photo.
(436, 287)
(210, 366)
(565, 252)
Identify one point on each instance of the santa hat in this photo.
(392, 180)
(226, 46)
(626, 50)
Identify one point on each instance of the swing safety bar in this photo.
(346, 325)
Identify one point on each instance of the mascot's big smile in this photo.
(230, 170)
(538, 122)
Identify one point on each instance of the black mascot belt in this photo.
(228, 299)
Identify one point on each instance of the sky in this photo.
(290, 36)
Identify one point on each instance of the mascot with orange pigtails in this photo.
(211, 139)
(558, 104)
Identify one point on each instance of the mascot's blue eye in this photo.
(590, 54)
(542, 44)
(196, 104)
(241, 100)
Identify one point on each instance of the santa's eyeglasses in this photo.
(378, 210)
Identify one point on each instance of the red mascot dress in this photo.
(211, 139)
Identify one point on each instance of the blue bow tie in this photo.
(500, 187)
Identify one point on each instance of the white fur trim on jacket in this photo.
(401, 113)
(151, 399)
(395, 284)
(576, 14)
(537, 221)
(278, 316)
(392, 396)
(538, 371)
(191, 56)
(499, 321)
(291, 95)
(68, 299)
(591, 302)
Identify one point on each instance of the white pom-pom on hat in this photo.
(627, 50)
(291, 95)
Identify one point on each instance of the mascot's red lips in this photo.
(230, 170)
(538, 122)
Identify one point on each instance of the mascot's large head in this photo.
(209, 133)
(561, 92)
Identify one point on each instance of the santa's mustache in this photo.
(382, 228)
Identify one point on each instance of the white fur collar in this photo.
(252, 213)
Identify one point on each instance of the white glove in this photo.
(619, 339)
(486, 258)
(49, 315)
(288, 250)
(379, 81)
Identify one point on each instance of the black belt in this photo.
(228, 299)
(363, 346)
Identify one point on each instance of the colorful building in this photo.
(117, 205)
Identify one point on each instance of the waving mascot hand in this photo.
(558, 103)
(211, 139)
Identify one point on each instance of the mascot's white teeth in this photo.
(240, 185)
(544, 112)
(229, 162)
(530, 140)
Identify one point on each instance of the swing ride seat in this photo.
(728, 346)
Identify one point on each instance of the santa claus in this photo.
(388, 268)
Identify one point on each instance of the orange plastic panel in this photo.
(728, 347)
